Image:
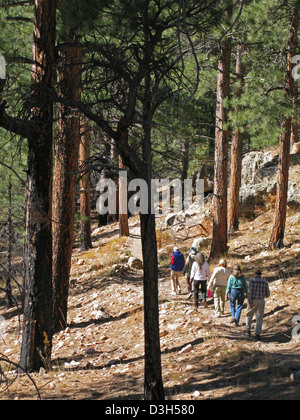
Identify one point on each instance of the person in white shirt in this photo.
(217, 285)
(199, 275)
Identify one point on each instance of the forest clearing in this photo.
(141, 140)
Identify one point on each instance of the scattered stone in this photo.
(135, 263)
(90, 351)
(186, 349)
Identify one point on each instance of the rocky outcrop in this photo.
(259, 184)
(259, 181)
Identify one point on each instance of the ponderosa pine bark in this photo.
(37, 325)
(65, 178)
(294, 84)
(8, 288)
(219, 240)
(236, 154)
(153, 384)
(278, 230)
(85, 188)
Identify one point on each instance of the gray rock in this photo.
(135, 263)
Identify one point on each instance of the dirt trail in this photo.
(101, 353)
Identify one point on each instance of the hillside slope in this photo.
(100, 354)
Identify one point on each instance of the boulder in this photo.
(294, 195)
(136, 263)
(170, 219)
(201, 243)
(258, 167)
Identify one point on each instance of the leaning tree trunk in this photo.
(236, 154)
(66, 165)
(219, 240)
(278, 231)
(37, 328)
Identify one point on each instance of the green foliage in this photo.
(116, 35)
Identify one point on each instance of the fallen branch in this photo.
(19, 369)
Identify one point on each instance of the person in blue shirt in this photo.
(177, 265)
(236, 291)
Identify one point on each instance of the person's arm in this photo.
(208, 272)
(250, 294)
(229, 285)
(245, 285)
(212, 279)
(268, 293)
(186, 267)
(193, 272)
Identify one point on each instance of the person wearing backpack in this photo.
(188, 268)
(177, 266)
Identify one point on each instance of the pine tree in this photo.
(85, 187)
(278, 231)
(219, 240)
(65, 178)
(37, 330)
(236, 152)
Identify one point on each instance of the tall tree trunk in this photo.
(37, 325)
(85, 188)
(66, 164)
(278, 231)
(219, 240)
(236, 153)
(153, 385)
(8, 289)
(294, 84)
(123, 203)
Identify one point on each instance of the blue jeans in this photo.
(237, 299)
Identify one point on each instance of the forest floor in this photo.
(100, 355)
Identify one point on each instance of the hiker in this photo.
(217, 286)
(177, 266)
(188, 268)
(236, 291)
(199, 275)
(257, 292)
